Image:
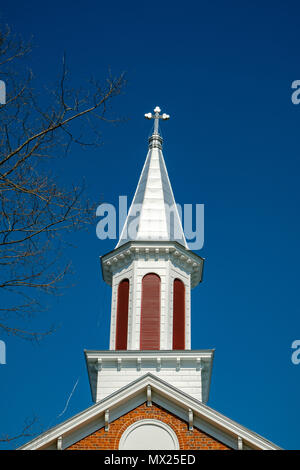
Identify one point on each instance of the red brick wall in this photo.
(109, 440)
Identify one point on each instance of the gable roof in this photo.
(169, 397)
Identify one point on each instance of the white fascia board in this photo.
(214, 417)
(184, 353)
(152, 243)
(128, 250)
(168, 391)
(83, 417)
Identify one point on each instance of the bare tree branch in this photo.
(27, 431)
(36, 213)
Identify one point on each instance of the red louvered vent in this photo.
(178, 315)
(122, 315)
(150, 312)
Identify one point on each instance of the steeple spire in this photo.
(153, 215)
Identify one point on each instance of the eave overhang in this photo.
(163, 394)
(173, 250)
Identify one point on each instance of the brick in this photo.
(109, 440)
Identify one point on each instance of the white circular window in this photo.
(149, 434)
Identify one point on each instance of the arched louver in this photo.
(150, 312)
(178, 315)
(122, 314)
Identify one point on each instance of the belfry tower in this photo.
(151, 272)
(150, 389)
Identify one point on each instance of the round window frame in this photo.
(154, 422)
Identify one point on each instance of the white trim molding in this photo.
(165, 395)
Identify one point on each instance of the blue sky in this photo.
(223, 71)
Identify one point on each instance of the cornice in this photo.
(159, 250)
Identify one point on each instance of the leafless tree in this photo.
(36, 212)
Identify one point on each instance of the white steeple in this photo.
(151, 272)
(153, 215)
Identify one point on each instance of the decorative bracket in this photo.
(59, 443)
(191, 420)
(106, 420)
(240, 443)
(149, 396)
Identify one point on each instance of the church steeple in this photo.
(153, 214)
(151, 270)
(150, 387)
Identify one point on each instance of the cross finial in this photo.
(156, 116)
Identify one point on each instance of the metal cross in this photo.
(157, 117)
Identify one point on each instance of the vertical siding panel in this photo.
(122, 314)
(178, 315)
(150, 312)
